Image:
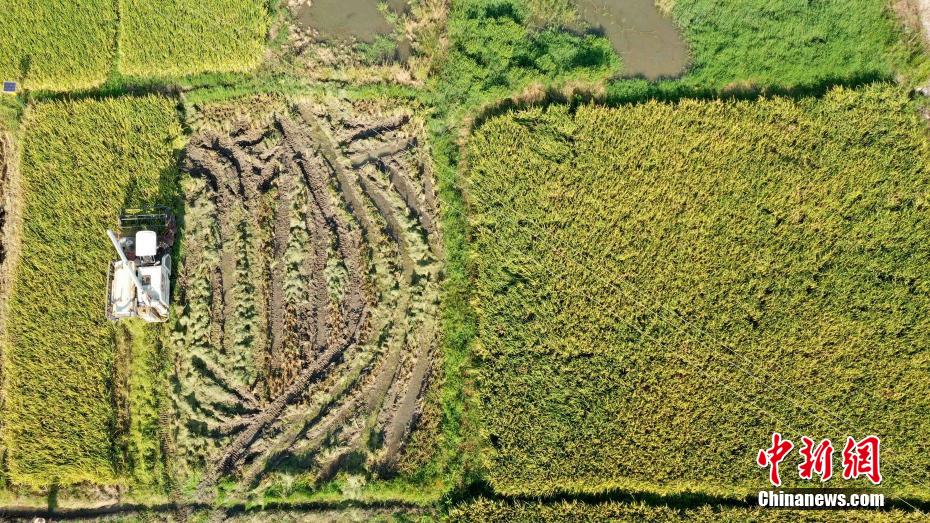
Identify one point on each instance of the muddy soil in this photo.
(352, 21)
(10, 224)
(6, 171)
(309, 286)
(647, 41)
(6, 168)
(923, 13)
(348, 19)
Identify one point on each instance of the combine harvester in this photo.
(139, 281)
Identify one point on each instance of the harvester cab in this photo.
(139, 280)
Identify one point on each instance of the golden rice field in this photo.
(180, 37)
(660, 286)
(62, 46)
(57, 45)
(82, 163)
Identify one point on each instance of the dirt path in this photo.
(10, 223)
(923, 14)
(9, 188)
(181, 511)
(6, 167)
(915, 14)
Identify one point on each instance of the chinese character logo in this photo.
(774, 455)
(859, 458)
(816, 460)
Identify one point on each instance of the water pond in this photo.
(648, 41)
(358, 20)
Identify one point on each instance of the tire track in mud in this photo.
(348, 243)
(341, 399)
(365, 399)
(390, 205)
(277, 311)
(311, 278)
(400, 424)
(272, 411)
(6, 169)
(324, 419)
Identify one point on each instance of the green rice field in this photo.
(792, 44)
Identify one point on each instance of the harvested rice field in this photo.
(8, 160)
(309, 290)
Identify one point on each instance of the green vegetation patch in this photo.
(788, 43)
(493, 53)
(82, 163)
(180, 37)
(661, 286)
(57, 45)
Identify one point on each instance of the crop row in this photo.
(486, 511)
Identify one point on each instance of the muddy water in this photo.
(648, 41)
(351, 19)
